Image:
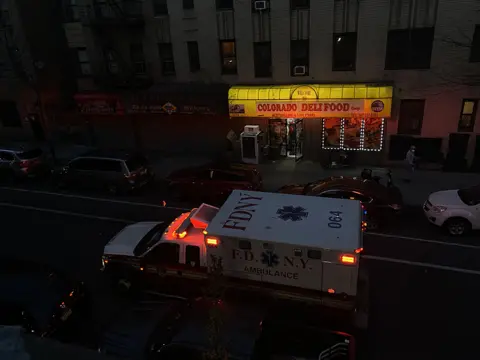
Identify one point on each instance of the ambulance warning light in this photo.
(211, 241)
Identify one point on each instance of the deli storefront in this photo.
(312, 121)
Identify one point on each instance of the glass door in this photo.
(299, 139)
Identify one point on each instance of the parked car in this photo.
(40, 299)
(143, 328)
(20, 162)
(456, 210)
(213, 182)
(116, 172)
(239, 331)
(380, 202)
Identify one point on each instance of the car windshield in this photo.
(30, 154)
(314, 186)
(150, 239)
(136, 162)
(471, 195)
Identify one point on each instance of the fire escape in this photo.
(113, 22)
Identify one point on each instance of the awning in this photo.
(190, 98)
(310, 101)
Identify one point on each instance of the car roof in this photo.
(368, 187)
(111, 154)
(18, 147)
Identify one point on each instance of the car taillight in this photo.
(24, 163)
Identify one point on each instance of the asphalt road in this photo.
(417, 311)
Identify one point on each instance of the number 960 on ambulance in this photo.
(294, 242)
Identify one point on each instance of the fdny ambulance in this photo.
(292, 246)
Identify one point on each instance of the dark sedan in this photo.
(381, 202)
(213, 182)
(38, 298)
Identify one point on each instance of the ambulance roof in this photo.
(290, 219)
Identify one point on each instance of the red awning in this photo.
(96, 97)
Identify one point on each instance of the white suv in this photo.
(457, 210)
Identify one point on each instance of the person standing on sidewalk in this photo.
(411, 159)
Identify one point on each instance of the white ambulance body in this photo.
(296, 241)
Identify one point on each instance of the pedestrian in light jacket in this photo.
(411, 159)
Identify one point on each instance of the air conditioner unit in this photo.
(260, 5)
(299, 70)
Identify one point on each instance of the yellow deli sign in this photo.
(311, 109)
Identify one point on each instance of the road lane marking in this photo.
(424, 240)
(68, 213)
(74, 196)
(421, 264)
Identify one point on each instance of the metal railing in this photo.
(334, 352)
(123, 10)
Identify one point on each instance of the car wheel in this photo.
(458, 226)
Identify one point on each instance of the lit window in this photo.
(466, 122)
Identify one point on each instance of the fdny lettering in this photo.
(242, 213)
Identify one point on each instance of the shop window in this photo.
(188, 4)
(332, 128)
(344, 52)
(352, 129)
(353, 134)
(409, 49)
(373, 134)
(166, 59)
(160, 7)
(224, 4)
(193, 56)
(299, 57)
(467, 117)
(228, 56)
(411, 117)
(475, 46)
(262, 59)
(299, 4)
(138, 58)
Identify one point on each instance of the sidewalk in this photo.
(277, 174)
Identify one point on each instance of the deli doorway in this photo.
(286, 138)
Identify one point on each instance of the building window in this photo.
(467, 117)
(299, 4)
(299, 57)
(411, 117)
(138, 58)
(193, 56)
(409, 49)
(166, 58)
(188, 4)
(112, 64)
(262, 56)
(344, 51)
(160, 7)
(475, 46)
(9, 115)
(83, 61)
(224, 4)
(228, 56)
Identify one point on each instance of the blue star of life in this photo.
(293, 213)
(269, 258)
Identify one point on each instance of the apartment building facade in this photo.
(391, 72)
(33, 85)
